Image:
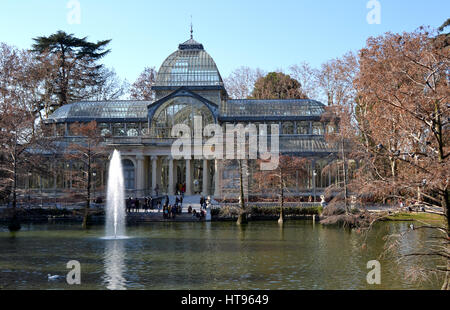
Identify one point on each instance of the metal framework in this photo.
(190, 65)
(101, 111)
(181, 81)
(290, 109)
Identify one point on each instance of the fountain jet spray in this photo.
(115, 203)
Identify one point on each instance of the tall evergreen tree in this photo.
(71, 67)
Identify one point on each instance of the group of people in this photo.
(200, 214)
(411, 206)
(204, 202)
(134, 205)
(170, 211)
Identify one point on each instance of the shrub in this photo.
(275, 211)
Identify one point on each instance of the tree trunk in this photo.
(281, 218)
(446, 205)
(88, 198)
(345, 176)
(14, 224)
(242, 218)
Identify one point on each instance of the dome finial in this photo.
(192, 31)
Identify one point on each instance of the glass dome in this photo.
(190, 65)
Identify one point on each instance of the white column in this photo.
(146, 175)
(245, 177)
(175, 175)
(171, 184)
(188, 177)
(140, 175)
(154, 169)
(205, 180)
(158, 174)
(216, 179)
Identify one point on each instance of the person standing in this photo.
(133, 204)
(128, 204)
(137, 205)
(201, 202)
(166, 201)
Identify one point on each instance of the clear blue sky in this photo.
(256, 33)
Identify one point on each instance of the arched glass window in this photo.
(303, 128)
(132, 129)
(119, 129)
(318, 128)
(331, 128)
(179, 110)
(105, 129)
(128, 173)
(288, 128)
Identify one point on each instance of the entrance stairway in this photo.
(193, 201)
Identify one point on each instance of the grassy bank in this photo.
(429, 218)
(262, 212)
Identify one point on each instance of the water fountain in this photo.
(115, 200)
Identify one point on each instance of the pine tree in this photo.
(72, 67)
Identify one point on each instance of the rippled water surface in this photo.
(218, 255)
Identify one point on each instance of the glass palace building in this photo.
(188, 84)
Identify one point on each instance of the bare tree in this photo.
(142, 89)
(282, 179)
(335, 80)
(86, 154)
(239, 84)
(403, 116)
(20, 137)
(308, 78)
(109, 86)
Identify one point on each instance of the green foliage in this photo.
(444, 25)
(275, 211)
(71, 67)
(255, 211)
(61, 42)
(277, 85)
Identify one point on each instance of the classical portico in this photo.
(161, 174)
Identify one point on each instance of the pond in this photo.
(217, 255)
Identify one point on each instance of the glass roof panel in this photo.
(85, 110)
(260, 108)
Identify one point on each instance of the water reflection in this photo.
(115, 265)
(218, 255)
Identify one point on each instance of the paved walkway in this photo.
(193, 201)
